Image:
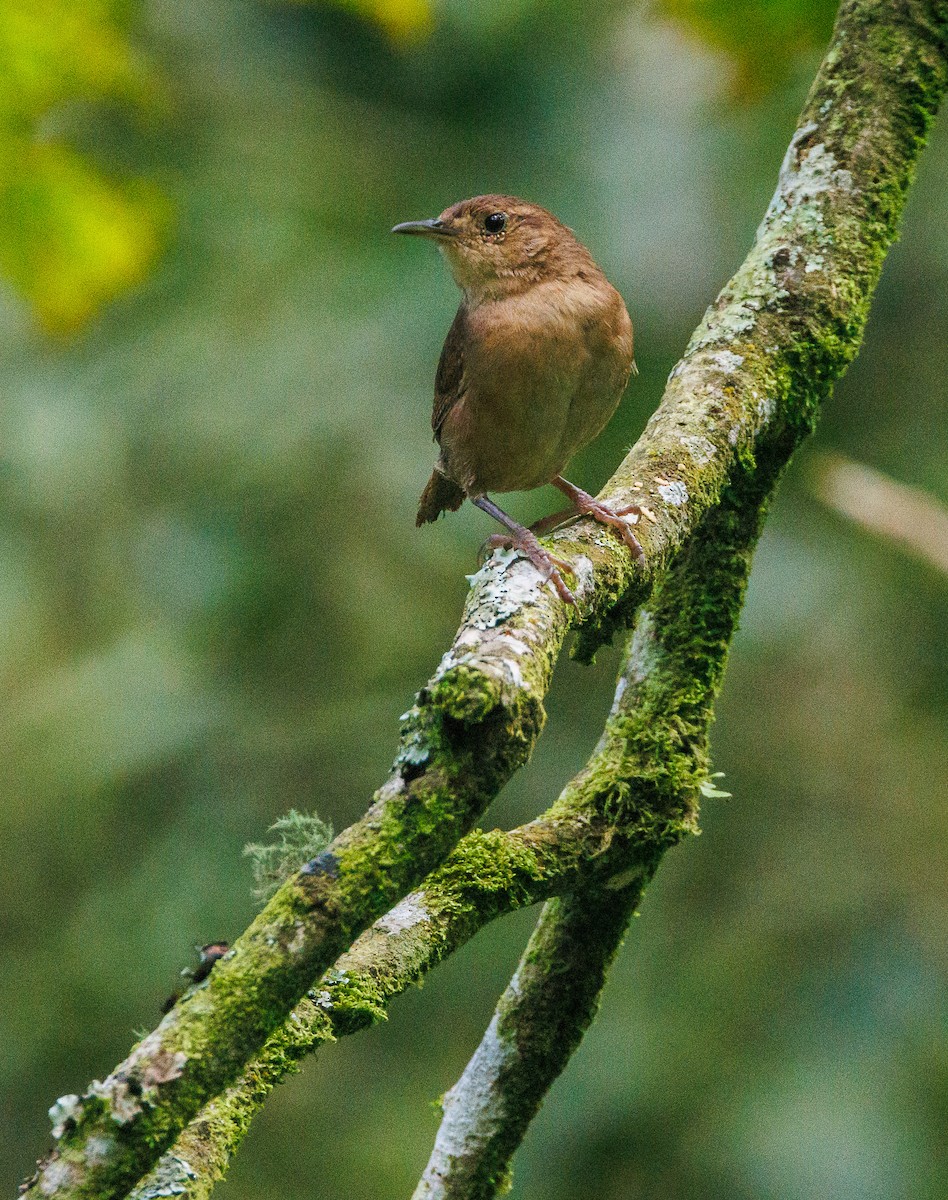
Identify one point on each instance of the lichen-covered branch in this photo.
(744, 395)
(655, 745)
(536, 1026)
(604, 836)
(664, 697)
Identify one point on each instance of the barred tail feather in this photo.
(441, 495)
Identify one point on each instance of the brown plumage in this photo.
(533, 366)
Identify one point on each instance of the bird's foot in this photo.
(549, 566)
(621, 519)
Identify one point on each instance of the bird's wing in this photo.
(449, 381)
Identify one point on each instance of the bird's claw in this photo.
(620, 519)
(546, 563)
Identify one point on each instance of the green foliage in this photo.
(764, 39)
(300, 837)
(214, 604)
(75, 235)
(402, 20)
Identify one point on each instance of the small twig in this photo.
(907, 516)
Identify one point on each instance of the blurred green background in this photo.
(216, 370)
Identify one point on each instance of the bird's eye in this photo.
(496, 222)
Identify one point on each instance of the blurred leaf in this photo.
(75, 238)
(53, 50)
(402, 20)
(764, 38)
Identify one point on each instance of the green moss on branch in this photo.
(637, 797)
(746, 392)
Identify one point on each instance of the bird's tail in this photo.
(441, 495)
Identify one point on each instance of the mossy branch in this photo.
(744, 395)
(658, 730)
(603, 837)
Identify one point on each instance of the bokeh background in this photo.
(216, 372)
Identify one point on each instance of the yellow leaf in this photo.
(73, 238)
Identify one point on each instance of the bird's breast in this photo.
(543, 372)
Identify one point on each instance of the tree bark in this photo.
(745, 394)
(655, 752)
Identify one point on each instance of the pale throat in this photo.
(482, 281)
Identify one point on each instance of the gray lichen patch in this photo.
(137, 1081)
(474, 1111)
(405, 915)
(674, 493)
(415, 747)
(803, 179)
(641, 661)
(726, 361)
(56, 1176)
(504, 648)
(701, 449)
(172, 1177)
(502, 587)
(123, 1102)
(65, 1112)
(297, 942)
(98, 1149)
(726, 324)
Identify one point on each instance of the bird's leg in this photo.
(520, 538)
(620, 519)
(545, 524)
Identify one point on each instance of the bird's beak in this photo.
(433, 228)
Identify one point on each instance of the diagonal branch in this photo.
(905, 516)
(636, 797)
(537, 1025)
(661, 718)
(744, 395)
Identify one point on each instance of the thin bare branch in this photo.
(906, 516)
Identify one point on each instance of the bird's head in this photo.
(499, 245)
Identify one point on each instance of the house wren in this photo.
(533, 367)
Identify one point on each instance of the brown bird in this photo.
(533, 367)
